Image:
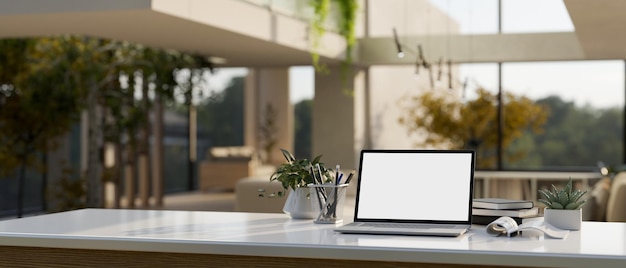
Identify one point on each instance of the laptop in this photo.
(413, 192)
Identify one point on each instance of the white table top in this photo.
(260, 234)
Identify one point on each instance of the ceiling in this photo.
(144, 22)
(600, 27)
(212, 28)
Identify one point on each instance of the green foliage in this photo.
(447, 121)
(297, 172)
(320, 10)
(347, 21)
(68, 194)
(46, 82)
(39, 100)
(14, 58)
(564, 198)
(591, 134)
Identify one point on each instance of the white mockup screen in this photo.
(415, 186)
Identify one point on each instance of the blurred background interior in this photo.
(185, 104)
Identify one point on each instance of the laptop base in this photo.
(360, 228)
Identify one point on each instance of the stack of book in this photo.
(486, 210)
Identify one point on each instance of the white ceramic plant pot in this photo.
(298, 204)
(567, 219)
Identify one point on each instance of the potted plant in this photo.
(563, 206)
(295, 176)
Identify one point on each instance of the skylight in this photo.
(528, 16)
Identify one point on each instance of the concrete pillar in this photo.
(339, 117)
(268, 89)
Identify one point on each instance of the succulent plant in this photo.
(564, 198)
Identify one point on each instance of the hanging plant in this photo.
(347, 21)
(320, 13)
(346, 26)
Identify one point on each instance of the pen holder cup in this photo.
(330, 199)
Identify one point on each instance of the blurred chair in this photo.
(616, 207)
(598, 198)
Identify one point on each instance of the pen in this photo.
(336, 174)
(320, 195)
(350, 176)
(320, 172)
(313, 174)
(322, 190)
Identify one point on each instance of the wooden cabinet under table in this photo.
(144, 238)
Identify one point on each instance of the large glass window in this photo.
(528, 16)
(473, 17)
(218, 98)
(584, 102)
(583, 106)
(532, 16)
(301, 92)
(478, 75)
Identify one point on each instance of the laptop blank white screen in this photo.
(415, 186)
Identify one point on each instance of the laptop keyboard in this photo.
(407, 225)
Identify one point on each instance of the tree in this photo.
(590, 134)
(447, 122)
(40, 102)
(43, 80)
(13, 55)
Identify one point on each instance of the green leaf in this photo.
(288, 156)
(568, 186)
(556, 205)
(554, 189)
(549, 195)
(316, 160)
(572, 206)
(575, 196)
(563, 198)
(578, 194)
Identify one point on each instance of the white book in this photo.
(506, 212)
(507, 226)
(501, 203)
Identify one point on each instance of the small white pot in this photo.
(298, 204)
(567, 219)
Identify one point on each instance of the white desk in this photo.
(140, 238)
(533, 176)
